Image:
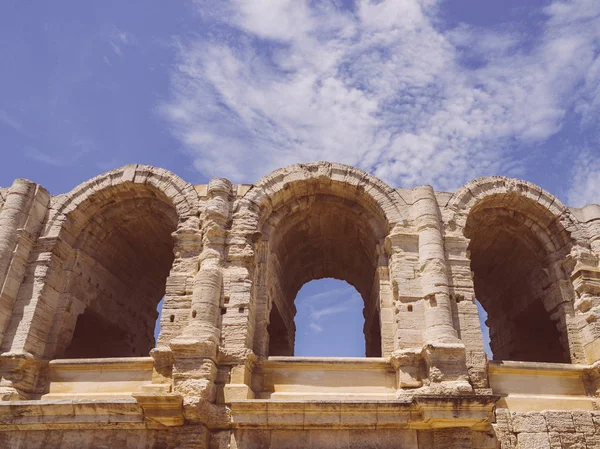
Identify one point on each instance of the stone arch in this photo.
(311, 221)
(276, 187)
(119, 234)
(85, 199)
(519, 238)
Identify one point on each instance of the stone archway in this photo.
(105, 253)
(517, 247)
(317, 220)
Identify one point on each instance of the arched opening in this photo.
(123, 253)
(329, 320)
(318, 236)
(516, 251)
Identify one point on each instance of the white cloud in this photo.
(385, 88)
(585, 185)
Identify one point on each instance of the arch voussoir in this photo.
(85, 199)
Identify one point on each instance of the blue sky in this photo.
(414, 91)
(329, 320)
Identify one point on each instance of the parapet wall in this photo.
(81, 275)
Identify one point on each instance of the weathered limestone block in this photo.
(528, 422)
(573, 440)
(22, 376)
(583, 422)
(559, 421)
(527, 440)
(410, 368)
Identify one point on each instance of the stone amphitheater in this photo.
(81, 275)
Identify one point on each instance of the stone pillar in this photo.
(386, 311)
(559, 301)
(238, 324)
(402, 245)
(20, 222)
(262, 308)
(439, 327)
(585, 276)
(443, 351)
(195, 350)
(202, 331)
(246, 265)
(466, 315)
(12, 217)
(21, 219)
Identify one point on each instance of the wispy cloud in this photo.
(585, 178)
(77, 149)
(320, 298)
(11, 122)
(315, 327)
(118, 39)
(386, 87)
(334, 301)
(318, 314)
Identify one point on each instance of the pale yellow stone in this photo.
(81, 275)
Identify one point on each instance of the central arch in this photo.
(319, 221)
(322, 236)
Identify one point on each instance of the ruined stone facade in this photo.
(81, 275)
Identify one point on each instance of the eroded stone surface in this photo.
(81, 275)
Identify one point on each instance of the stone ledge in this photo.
(326, 378)
(327, 363)
(165, 409)
(102, 378)
(535, 386)
(417, 412)
(538, 367)
(72, 414)
(111, 363)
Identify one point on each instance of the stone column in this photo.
(195, 350)
(21, 219)
(439, 327)
(12, 217)
(443, 351)
(246, 263)
(466, 314)
(386, 305)
(559, 301)
(262, 310)
(585, 276)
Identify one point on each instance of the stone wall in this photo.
(553, 429)
(81, 275)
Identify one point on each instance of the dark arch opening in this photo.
(516, 276)
(322, 236)
(122, 257)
